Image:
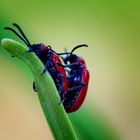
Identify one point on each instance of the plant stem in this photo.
(47, 92)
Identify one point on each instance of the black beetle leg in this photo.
(63, 99)
(46, 66)
(34, 86)
(68, 65)
(65, 96)
(75, 88)
(61, 76)
(61, 102)
(80, 83)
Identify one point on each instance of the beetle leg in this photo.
(62, 98)
(62, 58)
(80, 83)
(60, 75)
(68, 65)
(44, 70)
(34, 86)
(66, 94)
(61, 101)
(46, 66)
(74, 88)
(49, 46)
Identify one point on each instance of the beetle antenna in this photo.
(63, 53)
(8, 28)
(55, 51)
(16, 25)
(79, 46)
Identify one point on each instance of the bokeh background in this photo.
(111, 110)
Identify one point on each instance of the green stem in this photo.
(47, 92)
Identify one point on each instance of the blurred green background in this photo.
(112, 30)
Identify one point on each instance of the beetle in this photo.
(49, 58)
(78, 78)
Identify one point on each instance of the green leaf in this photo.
(47, 93)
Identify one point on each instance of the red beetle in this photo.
(78, 78)
(49, 58)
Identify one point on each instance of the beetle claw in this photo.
(34, 87)
(12, 56)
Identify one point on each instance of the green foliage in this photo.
(47, 92)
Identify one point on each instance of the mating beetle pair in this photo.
(71, 79)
